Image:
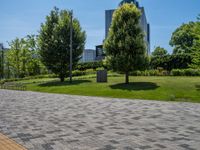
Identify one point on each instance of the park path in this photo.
(40, 121)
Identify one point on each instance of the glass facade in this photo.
(88, 55)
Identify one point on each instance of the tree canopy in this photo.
(127, 1)
(125, 46)
(159, 51)
(54, 42)
(183, 38)
(196, 46)
(22, 58)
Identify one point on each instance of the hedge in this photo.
(89, 65)
(174, 72)
(185, 72)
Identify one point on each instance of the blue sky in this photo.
(21, 17)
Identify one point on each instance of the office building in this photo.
(89, 55)
(99, 52)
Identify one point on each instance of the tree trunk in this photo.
(127, 77)
(62, 78)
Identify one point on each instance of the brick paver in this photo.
(41, 121)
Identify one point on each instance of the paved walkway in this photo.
(60, 122)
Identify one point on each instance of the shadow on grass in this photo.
(198, 87)
(58, 83)
(135, 86)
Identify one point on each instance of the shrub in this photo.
(165, 73)
(78, 73)
(160, 62)
(169, 62)
(90, 71)
(154, 72)
(89, 65)
(150, 73)
(137, 73)
(100, 68)
(185, 72)
(177, 72)
(192, 72)
(28, 78)
(180, 61)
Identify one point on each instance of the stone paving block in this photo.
(41, 121)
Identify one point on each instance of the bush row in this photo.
(150, 73)
(174, 72)
(185, 72)
(169, 62)
(74, 73)
(89, 65)
(28, 78)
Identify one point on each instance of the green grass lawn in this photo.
(185, 89)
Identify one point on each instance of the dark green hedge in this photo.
(173, 72)
(169, 62)
(185, 72)
(89, 65)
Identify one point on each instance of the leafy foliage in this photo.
(22, 58)
(54, 42)
(160, 62)
(196, 47)
(159, 51)
(125, 46)
(183, 38)
(89, 65)
(1, 63)
(169, 62)
(185, 72)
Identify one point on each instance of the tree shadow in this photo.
(135, 86)
(58, 83)
(198, 87)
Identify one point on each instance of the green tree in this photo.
(35, 65)
(196, 46)
(13, 56)
(183, 38)
(54, 42)
(23, 59)
(19, 57)
(1, 64)
(125, 46)
(159, 51)
(159, 58)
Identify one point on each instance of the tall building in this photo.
(143, 21)
(89, 55)
(99, 52)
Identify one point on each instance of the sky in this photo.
(19, 18)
